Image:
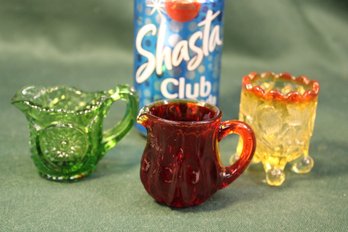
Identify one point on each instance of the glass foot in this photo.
(275, 177)
(64, 178)
(303, 165)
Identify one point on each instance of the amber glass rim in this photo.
(310, 94)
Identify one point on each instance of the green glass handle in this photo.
(112, 136)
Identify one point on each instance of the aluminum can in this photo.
(177, 49)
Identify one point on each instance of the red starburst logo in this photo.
(182, 11)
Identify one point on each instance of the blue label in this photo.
(177, 49)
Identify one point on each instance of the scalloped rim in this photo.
(88, 107)
(293, 96)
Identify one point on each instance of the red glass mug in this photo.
(181, 165)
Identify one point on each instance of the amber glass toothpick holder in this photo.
(281, 109)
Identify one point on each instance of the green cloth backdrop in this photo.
(88, 44)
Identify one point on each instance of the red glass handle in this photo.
(233, 171)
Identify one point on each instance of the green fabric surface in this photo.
(88, 44)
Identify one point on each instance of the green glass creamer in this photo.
(66, 127)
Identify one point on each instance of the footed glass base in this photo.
(275, 177)
(65, 178)
(303, 165)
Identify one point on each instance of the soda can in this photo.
(177, 49)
